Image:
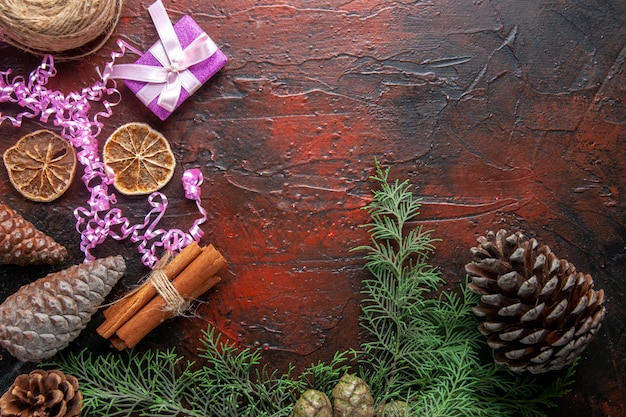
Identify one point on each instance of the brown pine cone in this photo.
(44, 316)
(42, 393)
(21, 243)
(537, 311)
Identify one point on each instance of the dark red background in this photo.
(504, 114)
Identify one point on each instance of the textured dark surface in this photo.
(504, 114)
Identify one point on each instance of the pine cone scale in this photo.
(557, 312)
(535, 337)
(549, 287)
(533, 314)
(497, 300)
(511, 335)
(543, 356)
(510, 282)
(495, 342)
(488, 327)
(519, 353)
(513, 310)
(528, 290)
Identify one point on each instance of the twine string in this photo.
(62, 28)
(174, 302)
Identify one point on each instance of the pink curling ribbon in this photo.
(167, 81)
(72, 113)
(192, 180)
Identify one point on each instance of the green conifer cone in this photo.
(352, 398)
(392, 409)
(313, 403)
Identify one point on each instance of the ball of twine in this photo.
(68, 29)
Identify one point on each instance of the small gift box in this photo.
(174, 67)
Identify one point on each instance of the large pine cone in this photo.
(538, 312)
(44, 316)
(21, 243)
(42, 393)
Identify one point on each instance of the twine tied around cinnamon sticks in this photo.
(174, 302)
(165, 294)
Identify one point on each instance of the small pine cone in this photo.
(23, 244)
(393, 409)
(352, 398)
(44, 316)
(313, 403)
(538, 312)
(42, 393)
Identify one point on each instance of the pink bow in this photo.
(167, 81)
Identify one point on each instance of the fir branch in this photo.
(232, 383)
(424, 349)
(256, 389)
(235, 374)
(121, 385)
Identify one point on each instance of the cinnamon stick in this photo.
(120, 312)
(197, 278)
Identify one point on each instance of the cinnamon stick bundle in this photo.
(191, 272)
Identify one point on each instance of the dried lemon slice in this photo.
(140, 157)
(41, 165)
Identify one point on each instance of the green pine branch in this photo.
(231, 383)
(151, 383)
(423, 348)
